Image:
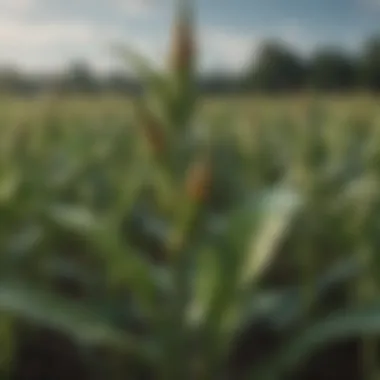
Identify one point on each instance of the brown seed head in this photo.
(182, 48)
(198, 181)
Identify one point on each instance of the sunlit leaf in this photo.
(260, 227)
(75, 218)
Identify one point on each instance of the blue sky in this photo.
(47, 34)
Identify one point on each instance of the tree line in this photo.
(277, 67)
(280, 68)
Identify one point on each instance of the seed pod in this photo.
(198, 181)
(182, 48)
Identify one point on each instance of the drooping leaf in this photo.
(350, 323)
(40, 306)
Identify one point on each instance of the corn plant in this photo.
(169, 246)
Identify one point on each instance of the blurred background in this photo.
(329, 45)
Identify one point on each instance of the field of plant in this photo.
(172, 237)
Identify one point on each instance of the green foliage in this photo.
(371, 63)
(166, 247)
(279, 69)
(332, 69)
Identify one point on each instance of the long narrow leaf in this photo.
(338, 326)
(72, 318)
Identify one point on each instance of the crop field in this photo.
(178, 237)
(237, 249)
(97, 110)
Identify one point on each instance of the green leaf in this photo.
(257, 229)
(279, 308)
(138, 61)
(155, 80)
(206, 281)
(9, 184)
(285, 308)
(159, 94)
(251, 245)
(72, 318)
(22, 243)
(75, 218)
(335, 327)
(124, 266)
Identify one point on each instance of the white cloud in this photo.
(44, 45)
(53, 43)
(48, 43)
(137, 8)
(19, 6)
(293, 33)
(233, 49)
(48, 46)
(230, 51)
(15, 33)
(38, 45)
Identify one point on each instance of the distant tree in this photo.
(370, 67)
(220, 83)
(332, 69)
(80, 78)
(13, 80)
(119, 82)
(278, 68)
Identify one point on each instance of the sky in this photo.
(38, 35)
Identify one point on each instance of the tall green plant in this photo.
(158, 244)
